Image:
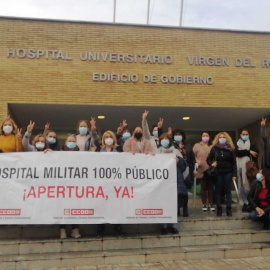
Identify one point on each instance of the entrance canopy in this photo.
(64, 118)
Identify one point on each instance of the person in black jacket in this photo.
(259, 198)
(222, 156)
(246, 150)
(179, 139)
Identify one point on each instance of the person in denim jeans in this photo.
(259, 198)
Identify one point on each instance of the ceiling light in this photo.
(101, 117)
(186, 118)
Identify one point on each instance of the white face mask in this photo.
(109, 141)
(40, 145)
(7, 129)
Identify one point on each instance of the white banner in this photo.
(87, 188)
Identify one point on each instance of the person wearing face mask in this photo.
(122, 134)
(51, 138)
(39, 143)
(10, 137)
(156, 131)
(70, 145)
(180, 143)
(246, 150)
(109, 145)
(87, 135)
(166, 147)
(222, 156)
(201, 151)
(137, 143)
(259, 198)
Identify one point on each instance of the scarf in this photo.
(241, 161)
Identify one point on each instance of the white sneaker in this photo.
(204, 208)
(75, 233)
(211, 208)
(63, 233)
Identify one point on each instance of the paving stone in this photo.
(243, 253)
(214, 254)
(74, 246)
(164, 257)
(128, 243)
(38, 264)
(152, 266)
(8, 265)
(86, 268)
(130, 266)
(161, 242)
(125, 259)
(7, 249)
(198, 240)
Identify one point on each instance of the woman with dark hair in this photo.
(259, 198)
(179, 139)
(201, 151)
(246, 150)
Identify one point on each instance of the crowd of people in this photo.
(227, 162)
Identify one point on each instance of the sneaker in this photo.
(204, 208)
(63, 233)
(211, 207)
(75, 233)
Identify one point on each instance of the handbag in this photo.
(212, 172)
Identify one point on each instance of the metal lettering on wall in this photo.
(110, 57)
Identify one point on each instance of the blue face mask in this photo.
(71, 145)
(222, 140)
(165, 143)
(178, 138)
(126, 135)
(245, 138)
(259, 177)
(51, 140)
(83, 130)
(155, 133)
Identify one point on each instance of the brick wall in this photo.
(24, 80)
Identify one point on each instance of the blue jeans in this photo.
(223, 186)
(254, 217)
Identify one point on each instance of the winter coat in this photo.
(226, 160)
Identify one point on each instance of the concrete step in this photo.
(204, 222)
(183, 239)
(149, 255)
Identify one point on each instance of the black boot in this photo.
(229, 211)
(219, 211)
(185, 211)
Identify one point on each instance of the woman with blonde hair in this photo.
(222, 156)
(39, 143)
(10, 137)
(108, 142)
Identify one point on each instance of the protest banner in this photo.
(87, 188)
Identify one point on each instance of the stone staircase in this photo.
(202, 236)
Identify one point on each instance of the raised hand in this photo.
(263, 122)
(124, 123)
(19, 135)
(160, 123)
(144, 115)
(47, 126)
(169, 130)
(93, 124)
(30, 127)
